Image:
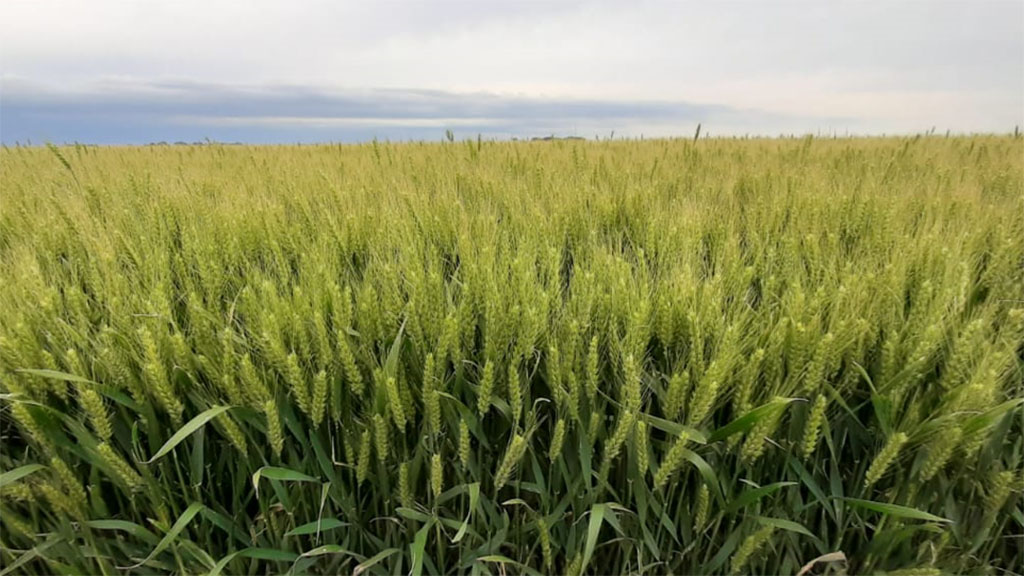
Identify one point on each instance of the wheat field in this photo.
(645, 357)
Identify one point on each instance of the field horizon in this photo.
(442, 138)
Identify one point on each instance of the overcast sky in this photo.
(111, 71)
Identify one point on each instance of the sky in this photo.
(133, 72)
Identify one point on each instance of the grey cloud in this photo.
(133, 112)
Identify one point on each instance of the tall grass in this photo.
(577, 358)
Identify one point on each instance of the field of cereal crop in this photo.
(669, 356)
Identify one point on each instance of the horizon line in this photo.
(443, 139)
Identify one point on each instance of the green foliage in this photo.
(677, 356)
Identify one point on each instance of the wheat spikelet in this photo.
(273, 347)
(431, 397)
(554, 376)
(381, 434)
(593, 364)
(557, 439)
(673, 461)
(24, 417)
(614, 444)
(515, 391)
(700, 517)
(812, 428)
(744, 390)
(640, 446)
(678, 390)
(819, 365)
(297, 384)
(884, 458)
(395, 404)
(575, 396)
(319, 400)
(404, 486)
(775, 353)
(59, 500)
(353, 377)
(405, 396)
(465, 448)
(124, 471)
(68, 480)
(509, 461)
(233, 432)
(363, 462)
(118, 372)
(156, 379)
(703, 397)
(890, 358)
(449, 345)
(10, 352)
(595, 422)
(750, 545)
(575, 566)
(348, 449)
(230, 388)
(632, 388)
(800, 349)
(254, 388)
(966, 351)
(939, 452)
(436, 475)
(19, 526)
(545, 542)
(94, 407)
(997, 491)
(1000, 485)
(16, 493)
(324, 352)
(486, 389)
(274, 433)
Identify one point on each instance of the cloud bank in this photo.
(119, 112)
